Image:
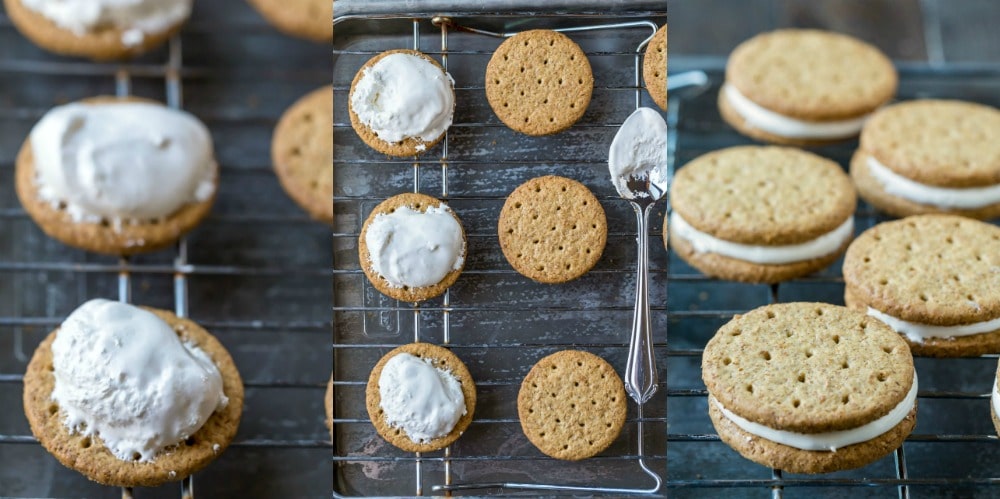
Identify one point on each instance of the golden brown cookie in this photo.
(418, 202)
(302, 153)
(770, 197)
(812, 76)
(935, 143)
(443, 359)
(571, 405)
(89, 456)
(808, 368)
(552, 229)
(103, 237)
(309, 19)
(539, 82)
(654, 68)
(938, 270)
(409, 146)
(100, 45)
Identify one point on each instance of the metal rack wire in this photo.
(950, 453)
(346, 378)
(164, 280)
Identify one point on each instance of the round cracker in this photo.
(929, 269)
(441, 358)
(309, 19)
(571, 405)
(654, 68)
(417, 202)
(552, 229)
(812, 75)
(765, 196)
(102, 237)
(409, 146)
(89, 456)
(302, 153)
(100, 45)
(943, 143)
(807, 367)
(539, 82)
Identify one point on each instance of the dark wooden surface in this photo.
(932, 31)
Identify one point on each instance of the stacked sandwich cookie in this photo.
(935, 279)
(810, 387)
(760, 214)
(931, 156)
(804, 87)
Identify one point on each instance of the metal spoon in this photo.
(638, 164)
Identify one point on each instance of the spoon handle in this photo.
(640, 372)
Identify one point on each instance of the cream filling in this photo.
(768, 255)
(828, 441)
(784, 126)
(942, 197)
(917, 332)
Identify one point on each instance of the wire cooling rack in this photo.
(255, 273)
(489, 318)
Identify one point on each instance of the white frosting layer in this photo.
(122, 161)
(942, 197)
(833, 440)
(404, 96)
(767, 255)
(414, 249)
(784, 126)
(136, 17)
(917, 332)
(639, 150)
(122, 374)
(424, 401)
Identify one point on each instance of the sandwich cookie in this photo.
(302, 153)
(931, 156)
(810, 387)
(804, 87)
(761, 214)
(571, 405)
(412, 247)
(309, 19)
(654, 68)
(117, 176)
(98, 29)
(539, 82)
(552, 229)
(420, 397)
(934, 279)
(130, 396)
(401, 102)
